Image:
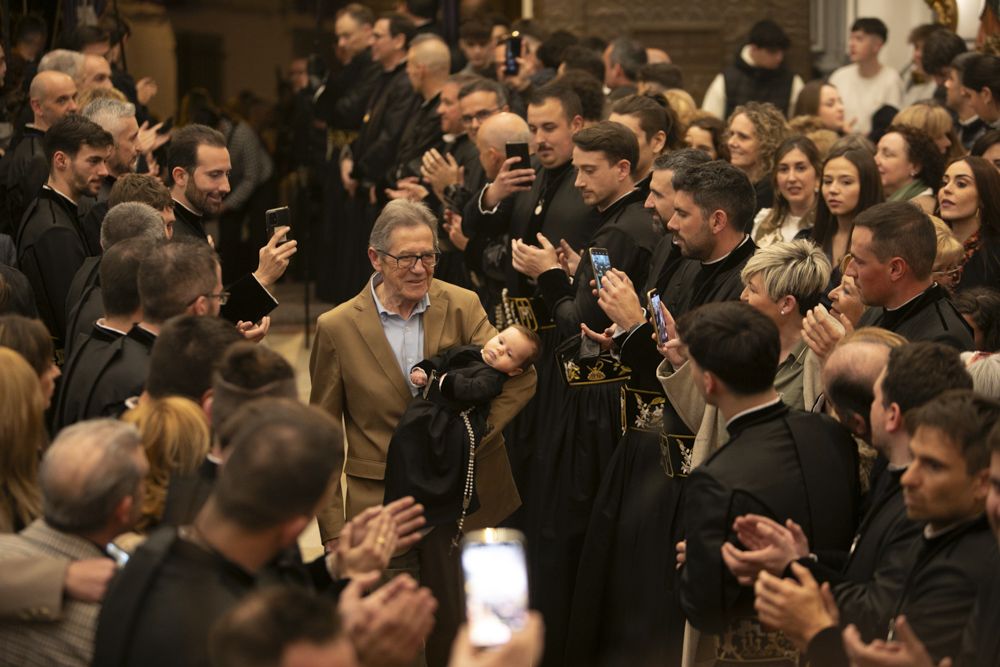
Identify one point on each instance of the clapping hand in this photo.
(533, 261)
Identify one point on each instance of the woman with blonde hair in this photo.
(755, 131)
(935, 120)
(176, 437)
(22, 438)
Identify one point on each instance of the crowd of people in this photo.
(730, 371)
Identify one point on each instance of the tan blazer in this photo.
(355, 376)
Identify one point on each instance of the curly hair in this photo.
(770, 126)
(921, 150)
(780, 208)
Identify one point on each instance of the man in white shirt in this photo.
(866, 85)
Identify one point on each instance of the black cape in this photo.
(23, 171)
(83, 302)
(929, 316)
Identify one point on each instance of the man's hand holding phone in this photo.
(508, 181)
(274, 257)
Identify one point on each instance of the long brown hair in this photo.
(988, 190)
(870, 193)
(22, 438)
(780, 208)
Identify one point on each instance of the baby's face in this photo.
(507, 351)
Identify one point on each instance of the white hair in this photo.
(109, 113)
(62, 60)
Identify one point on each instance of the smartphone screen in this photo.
(512, 51)
(658, 322)
(601, 262)
(277, 217)
(519, 149)
(496, 585)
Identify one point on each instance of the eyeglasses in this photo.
(223, 297)
(480, 116)
(407, 262)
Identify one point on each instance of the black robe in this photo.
(51, 247)
(452, 267)
(345, 94)
(428, 454)
(83, 302)
(624, 605)
(392, 102)
(779, 462)
(421, 133)
(928, 317)
(575, 442)
(248, 300)
(103, 373)
(981, 641)
(93, 210)
(23, 171)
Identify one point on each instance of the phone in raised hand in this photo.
(659, 323)
(601, 262)
(277, 217)
(496, 585)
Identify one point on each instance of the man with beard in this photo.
(51, 243)
(118, 119)
(24, 170)
(198, 166)
(589, 421)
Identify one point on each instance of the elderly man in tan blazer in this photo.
(360, 364)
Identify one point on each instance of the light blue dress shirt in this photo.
(406, 337)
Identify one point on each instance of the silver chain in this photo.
(470, 476)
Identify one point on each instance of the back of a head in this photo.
(557, 90)
(22, 434)
(29, 338)
(120, 275)
(400, 24)
(983, 71)
(940, 48)
(871, 26)
(965, 418)
(849, 376)
(918, 372)
(68, 62)
(654, 115)
(766, 34)
(682, 160)
(589, 90)
(667, 75)
(503, 128)
(173, 276)
(985, 374)
(981, 305)
(142, 188)
(109, 113)
(184, 143)
(185, 354)
(734, 342)
(16, 294)
(424, 9)
(900, 229)
(87, 471)
(432, 52)
(481, 85)
(282, 461)
(791, 268)
(131, 220)
(267, 623)
(630, 54)
(718, 185)
(71, 133)
(614, 140)
(552, 49)
(247, 372)
(577, 57)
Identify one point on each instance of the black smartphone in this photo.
(168, 125)
(511, 52)
(519, 149)
(659, 324)
(601, 262)
(277, 217)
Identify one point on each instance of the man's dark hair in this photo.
(476, 30)
(142, 188)
(482, 85)
(577, 57)
(283, 459)
(589, 90)
(735, 342)
(16, 295)
(173, 276)
(614, 140)
(964, 417)
(120, 275)
(245, 372)
(767, 34)
(984, 142)
(400, 25)
(71, 133)
(940, 48)
(258, 631)
(425, 9)
(85, 35)
(918, 372)
(184, 145)
(557, 90)
(982, 306)
(871, 26)
(185, 353)
(900, 229)
(654, 114)
(667, 75)
(675, 161)
(718, 185)
(28, 26)
(982, 71)
(630, 54)
(551, 50)
(920, 33)
(362, 14)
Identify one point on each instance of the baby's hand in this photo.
(418, 378)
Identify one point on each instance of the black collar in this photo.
(756, 416)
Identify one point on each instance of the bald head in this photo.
(849, 376)
(430, 52)
(493, 136)
(86, 474)
(52, 95)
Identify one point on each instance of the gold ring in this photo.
(380, 541)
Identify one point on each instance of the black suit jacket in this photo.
(83, 302)
(391, 104)
(930, 316)
(23, 171)
(421, 133)
(782, 463)
(345, 95)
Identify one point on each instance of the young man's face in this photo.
(937, 486)
(597, 178)
(552, 132)
(862, 47)
(479, 54)
(692, 233)
(209, 184)
(477, 107)
(508, 351)
(383, 43)
(450, 110)
(87, 169)
(660, 201)
(649, 147)
(768, 58)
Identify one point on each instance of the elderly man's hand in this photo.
(800, 609)
(87, 580)
(532, 261)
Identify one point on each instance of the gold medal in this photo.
(538, 209)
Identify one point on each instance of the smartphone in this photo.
(511, 52)
(601, 262)
(496, 585)
(119, 555)
(519, 149)
(658, 322)
(277, 217)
